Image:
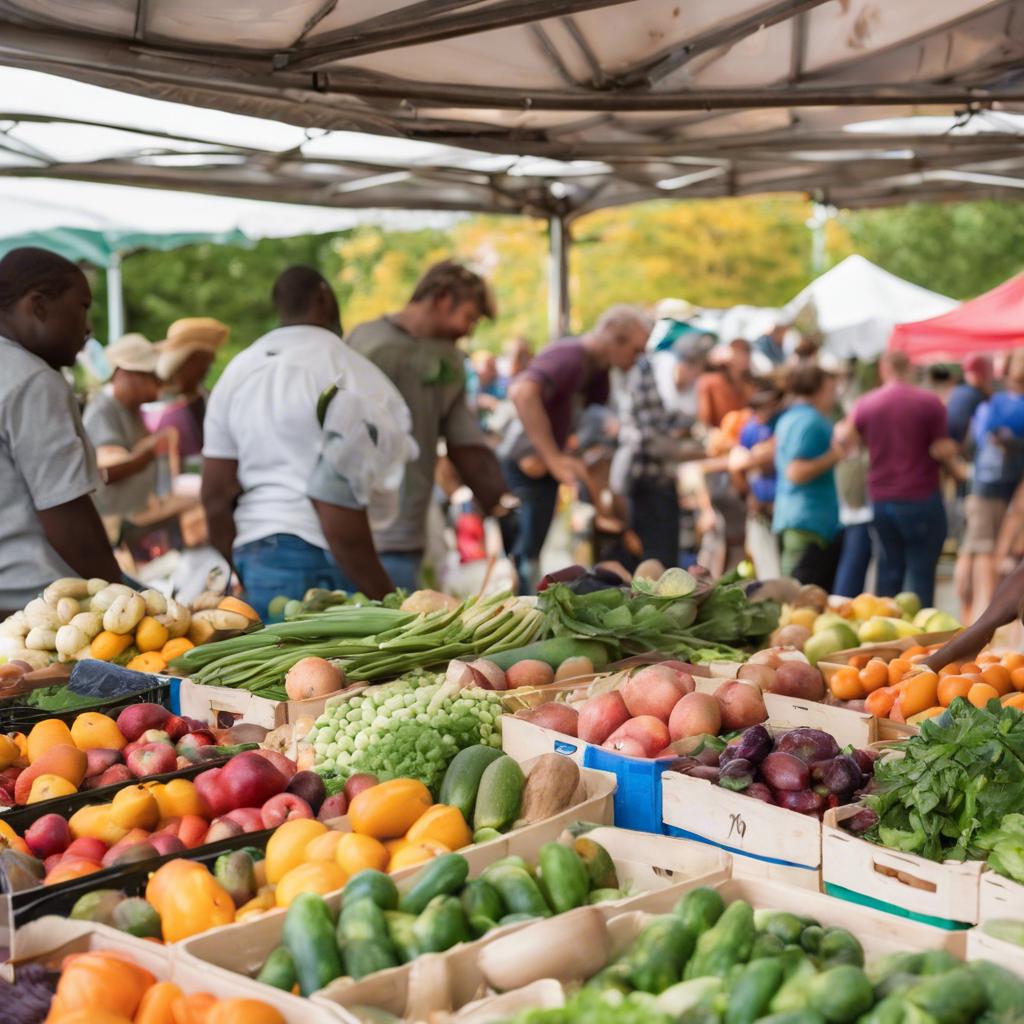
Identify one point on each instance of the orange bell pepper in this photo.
(188, 899)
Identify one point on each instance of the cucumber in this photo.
(840, 947)
(401, 934)
(953, 998)
(485, 835)
(766, 944)
(441, 926)
(517, 919)
(481, 899)
(499, 795)
(278, 970)
(842, 994)
(787, 927)
(603, 896)
(793, 1017)
(598, 862)
(563, 878)
(518, 891)
(659, 954)
(1004, 989)
(554, 652)
(363, 958)
(700, 909)
(374, 885)
(462, 780)
(361, 921)
(479, 926)
(513, 860)
(442, 876)
(752, 991)
(309, 936)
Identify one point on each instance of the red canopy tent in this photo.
(993, 322)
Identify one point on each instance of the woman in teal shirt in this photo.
(806, 503)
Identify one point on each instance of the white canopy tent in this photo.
(856, 304)
(546, 107)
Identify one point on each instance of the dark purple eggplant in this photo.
(842, 776)
(865, 760)
(863, 821)
(783, 771)
(753, 744)
(809, 745)
(703, 771)
(759, 791)
(803, 801)
(737, 775)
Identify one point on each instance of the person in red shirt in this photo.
(904, 429)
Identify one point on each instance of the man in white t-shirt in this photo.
(305, 446)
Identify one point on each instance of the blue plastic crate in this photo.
(638, 790)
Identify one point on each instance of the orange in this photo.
(988, 658)
(998, 677)
(356, 852)
(874, 675)
(918, 693)
(952, 669)
(898, 668)
(952, 687)
(846, 685)
(970, 668)
(858, 660)
(913, 652)
(1017, 678)
(1014, 700)
(324, 847)
(1013, 660)
(981, 693)
(880, 702)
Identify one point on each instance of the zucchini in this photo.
(563, 878)
(278, 970)
(442, 876)
(726, 944)
(603, 896)
(518, 891)
(363, 958)
(752, 992)
(309, 936)
(554, 652)
(481, 899)
(956, 997)
(441, 926)
(786, 926)
(400, 932)
(499, 795)
(374, 885)
(462, 780)
(659, 954)
(598, 862)
(793, 1017)
(517, 919)
(361, 921)
(700, 909)
(1004, 989)
(842, 994)
(840, 947)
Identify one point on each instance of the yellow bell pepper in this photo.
(444, 824)
(259, 904)
(188, 899)
(286, 848)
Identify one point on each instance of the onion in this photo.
(312, 677)
(770, 657)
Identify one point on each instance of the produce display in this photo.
(653, 712)
(380, 926)
(56, 760)
(732, 964)
(368, 643)
(954, 793)
(106, 987)
(802, 769)
(75, 619)
(410, 728)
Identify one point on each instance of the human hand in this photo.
(566, 470)
(707, 521)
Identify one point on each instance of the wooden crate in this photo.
(224, 706)
(999, 896)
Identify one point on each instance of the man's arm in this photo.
(803, 471)
(1004, 608)
(479, 470)
(347, 531)
(75, 531)
(220, 493)
(526, 397)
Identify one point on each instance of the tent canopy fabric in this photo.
(993, 322)
(856, 304)
(551, 107)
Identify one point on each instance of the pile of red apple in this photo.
(654, 713)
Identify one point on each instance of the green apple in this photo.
(909, 602)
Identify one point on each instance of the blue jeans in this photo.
(654, 515)
(525, 537)
(854, 560)
(285, 564)
(910, 535)
(403, 567)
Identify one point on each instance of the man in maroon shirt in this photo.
(904, 429)
(560, 382)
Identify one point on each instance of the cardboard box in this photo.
(667, 867)
(999, 896)
(455, 980)
(946, 892)
(50, 939)
(225, 706)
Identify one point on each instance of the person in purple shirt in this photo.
(559, 383)
(904, 429)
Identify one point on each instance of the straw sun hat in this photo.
(192, 334)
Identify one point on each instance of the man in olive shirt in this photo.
(416, 350)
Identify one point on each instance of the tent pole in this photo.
(558, 276)
(115, 299)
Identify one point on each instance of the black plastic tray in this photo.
(20, 817)
(21, 717)
(31, 904)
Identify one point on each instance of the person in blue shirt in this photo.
(755, 461)
(965, 398)
(806, 513)
(770, 345)
(998, 431)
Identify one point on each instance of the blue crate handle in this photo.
(637, 790)
(565, 748)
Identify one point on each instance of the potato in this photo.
(798, 679)
(742, 705)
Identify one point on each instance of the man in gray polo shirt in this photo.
(416, 349)
(49, 527)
